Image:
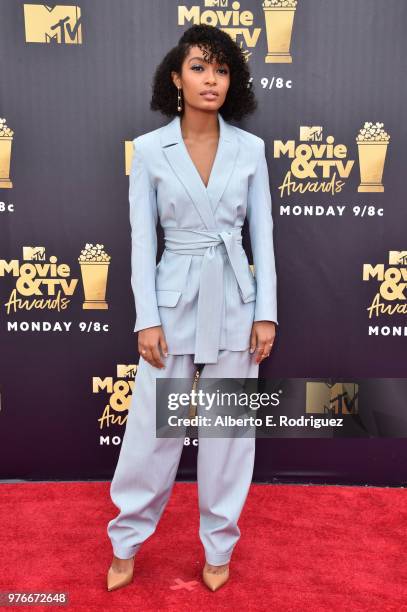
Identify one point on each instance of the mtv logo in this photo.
(46, 24)
(33, 253)
(126, 371)
(219, 3)
(398, 258)
(339, 398)
(311, 132)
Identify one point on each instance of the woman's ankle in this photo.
(216, 568)
(119, 563)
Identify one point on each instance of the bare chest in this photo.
(203, 157)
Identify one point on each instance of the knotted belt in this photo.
(211, 244)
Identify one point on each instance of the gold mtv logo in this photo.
(33, 253)
(59, 24)
(398, 258)
(332, 398)
(126, 371)
(219, 3)
(313, 132)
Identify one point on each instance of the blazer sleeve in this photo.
(260, 220)
(143, 221)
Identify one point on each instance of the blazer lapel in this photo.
(205, 199)
(225, 160)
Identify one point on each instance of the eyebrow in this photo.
(200, 58)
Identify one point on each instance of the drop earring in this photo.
(179, 107)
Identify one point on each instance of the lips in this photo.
(209, 94)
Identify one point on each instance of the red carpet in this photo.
(302, 548)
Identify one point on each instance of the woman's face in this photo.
(199, 76)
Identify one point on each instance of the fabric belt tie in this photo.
(208, 243)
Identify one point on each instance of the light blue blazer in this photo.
(202, 291)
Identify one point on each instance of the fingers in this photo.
(152, 355)
(149, 349)
(262, 351)
(253, 340)
(163, 343)
(146, 354)
(156, 356)
(264, 347)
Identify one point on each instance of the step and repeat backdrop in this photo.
(75, 88)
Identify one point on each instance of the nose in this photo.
(211, 77)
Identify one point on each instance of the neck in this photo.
(198, 125)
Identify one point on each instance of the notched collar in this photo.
(205, 199)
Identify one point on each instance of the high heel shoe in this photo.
(215, 581)
(116, 580)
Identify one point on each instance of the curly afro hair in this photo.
(215, 44)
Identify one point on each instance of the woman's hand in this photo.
(262, 338)
(149, 342)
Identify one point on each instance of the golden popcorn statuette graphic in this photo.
(279, 18)
(372, 143)
(52, 24)
(6, 140)
(94, 262)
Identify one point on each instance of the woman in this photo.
(200, 307)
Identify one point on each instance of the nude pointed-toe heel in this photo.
(117, 580)
(215, 581)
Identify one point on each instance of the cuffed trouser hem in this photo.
(125, 553)
(218, 558)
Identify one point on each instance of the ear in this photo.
(175, 79)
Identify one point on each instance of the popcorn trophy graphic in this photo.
(94, 262)
(372, 147)
(6, 140)
(279, 18)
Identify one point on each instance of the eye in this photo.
(224, 70)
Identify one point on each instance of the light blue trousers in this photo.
(147, 465)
